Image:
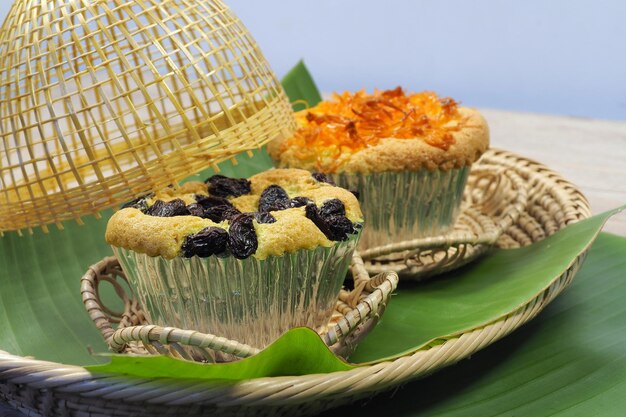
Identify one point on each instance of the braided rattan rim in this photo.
(53, 389)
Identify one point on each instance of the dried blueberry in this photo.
(207, 201)
(321, 177)
(140, 203)
(273, 198)
(220, 213)
(176, 207)
(222, 186)
(242, 239)
(207, 242)
(340, 226)
(299, 201)
(333, 207)
(264, 218)
(216, 208)
(313, 214)
(196, 209)
(156, 208)
(334, 227)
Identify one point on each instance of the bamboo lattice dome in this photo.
(103, 100)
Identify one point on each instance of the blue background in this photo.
(560, 57)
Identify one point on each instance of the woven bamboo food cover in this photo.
(101, 101)
(52, 389)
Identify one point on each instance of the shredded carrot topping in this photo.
(351, 122)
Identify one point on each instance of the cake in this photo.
(408, 155)
(245, 259)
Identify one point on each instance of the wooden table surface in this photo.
(590, 153)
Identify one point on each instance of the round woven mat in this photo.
(495, 197)
(130, 331)
(53, 389)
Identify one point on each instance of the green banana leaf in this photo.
(300, 351)
(492, 287)
(569, 361)
(300, 87)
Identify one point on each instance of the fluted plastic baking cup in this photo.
(399, 206)
(250, 300)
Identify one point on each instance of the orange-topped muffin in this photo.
(407, 154)
(386, 131)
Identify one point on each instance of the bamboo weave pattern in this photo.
(101, 101)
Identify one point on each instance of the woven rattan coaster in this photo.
(494, 199)
(356, 312)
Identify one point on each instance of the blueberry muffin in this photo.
(246, 259)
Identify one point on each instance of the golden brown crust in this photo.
(185, 192)
(163, 236)
(291, 231)
(155, 236)
(395, 155)
(299, 182)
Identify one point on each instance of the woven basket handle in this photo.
(132, 322)
(381, 287)
(110, 271)
(504, 197)
(171, 341)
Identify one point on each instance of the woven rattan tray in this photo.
(54, 389)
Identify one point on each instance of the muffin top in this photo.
(272, 213)
(386, 131)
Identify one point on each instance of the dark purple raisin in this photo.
(299, 201)
(264, 218)
(333, 227)
(176, 207)
(273, 198)
(196, 209)
(207, 201)
(222, 186)
(242, 239)
(207, 242)
(220, 213)
(321, 177)
(340, 226)
(313, 214)
(333, 207)
(139, 203)
(156, 208)
(356, 193)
